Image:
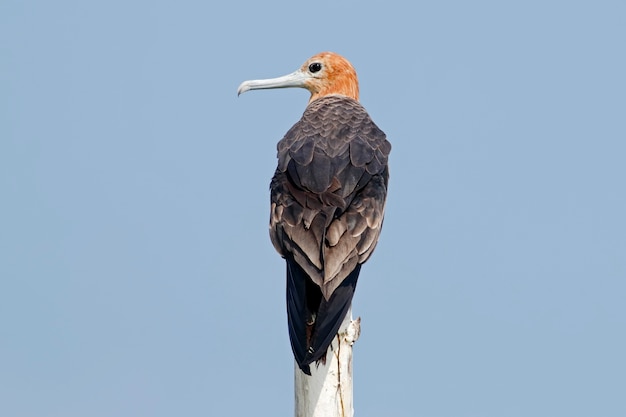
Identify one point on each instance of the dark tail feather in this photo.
(305, 302)
(330, 316)
(297, 311)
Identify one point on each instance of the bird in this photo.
(327, 200)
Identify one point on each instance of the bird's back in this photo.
(327, 207)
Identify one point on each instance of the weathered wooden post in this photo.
(328, 391)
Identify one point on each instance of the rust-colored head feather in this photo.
(330, 74)
(324, 74)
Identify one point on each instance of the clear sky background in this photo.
(136, 273)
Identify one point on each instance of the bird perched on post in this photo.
(327, 200)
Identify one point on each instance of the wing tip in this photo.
(306, 368)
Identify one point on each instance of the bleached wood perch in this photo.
(328, 391)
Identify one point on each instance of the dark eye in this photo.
(315, 67)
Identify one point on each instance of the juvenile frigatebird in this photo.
(327, 200)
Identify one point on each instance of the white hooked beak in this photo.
(295, 79)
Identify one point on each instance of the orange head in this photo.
(324, 74)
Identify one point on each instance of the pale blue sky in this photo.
(136, 273)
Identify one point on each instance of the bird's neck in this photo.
(347, 88)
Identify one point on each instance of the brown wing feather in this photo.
(328, 192)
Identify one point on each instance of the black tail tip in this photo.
(306, 369)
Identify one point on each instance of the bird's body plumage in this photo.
(327, 205)
(327, 200)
